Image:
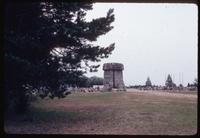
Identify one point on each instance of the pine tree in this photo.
(169, 82)
(148, 82)
(46, 44)
(196, 82)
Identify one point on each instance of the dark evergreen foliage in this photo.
(169, 82)
(84, 81)
(94, 80)
(196, 82)
(148, 82)
(48, 45)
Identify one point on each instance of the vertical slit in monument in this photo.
(113, 78)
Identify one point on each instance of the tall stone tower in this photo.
(113, 76)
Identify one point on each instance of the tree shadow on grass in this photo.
(40, 115)
(46, 121)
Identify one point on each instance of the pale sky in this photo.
(151, 40)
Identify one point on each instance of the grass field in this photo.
(132, 112)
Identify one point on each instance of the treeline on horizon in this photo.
(168, 83)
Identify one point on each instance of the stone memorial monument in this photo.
(113, 76)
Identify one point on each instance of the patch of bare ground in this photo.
(130, 113)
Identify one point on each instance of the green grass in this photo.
(110, 113)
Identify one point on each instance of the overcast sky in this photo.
(151, 40)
